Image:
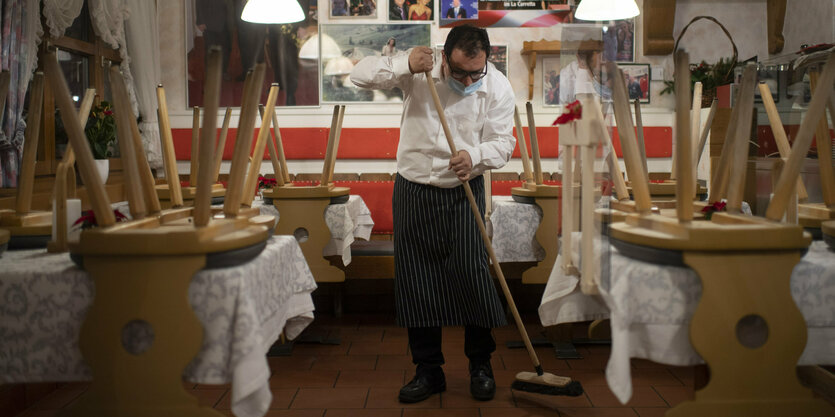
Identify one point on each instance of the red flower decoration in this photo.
(573, 111)
(264, 182)
(709, 210)
(88, 219)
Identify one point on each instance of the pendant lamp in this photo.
(602, 10)
(272, 11)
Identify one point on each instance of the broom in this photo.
(540, 382)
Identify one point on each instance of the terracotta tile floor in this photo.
(360, 377)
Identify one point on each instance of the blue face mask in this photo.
(461, 89)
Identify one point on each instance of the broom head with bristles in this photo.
(547, 383)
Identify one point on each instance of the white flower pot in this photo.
(103, 167)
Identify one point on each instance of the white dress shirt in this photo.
(481, 123)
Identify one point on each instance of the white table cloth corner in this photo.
(345, 221)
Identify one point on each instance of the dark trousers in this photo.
(425, 344)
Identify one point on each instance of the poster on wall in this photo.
(637, 81)
(413, 11)
(291, 54)
(351, 43)
(502, 13)
(363, 9)
(619, 41)
(551, 82)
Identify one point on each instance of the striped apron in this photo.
(441, 275)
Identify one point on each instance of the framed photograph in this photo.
(343, 45)
(551, 82)
(619, 41)
(637, 81)
(458, 9)
(411, 11)
(353, 9)
(291, 53)
(498, 56)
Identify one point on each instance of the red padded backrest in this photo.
(377, 197)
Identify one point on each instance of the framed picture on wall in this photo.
(458, 9)
(291, 54)
(637, 81)
(364, 9)
(551, 82)
(498, 56)
(411, 11)
(349, 43)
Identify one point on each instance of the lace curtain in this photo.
(59, 15)
(143, 40)
(19, 39)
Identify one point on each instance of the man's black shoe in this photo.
(482, 384)
(421, 387)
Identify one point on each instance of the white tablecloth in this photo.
(243, 310)
(651, 306)
(345, 221)
(512, 227)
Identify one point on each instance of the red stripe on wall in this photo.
(381, 143)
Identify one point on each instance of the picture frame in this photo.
(348, 44)
(638, 80)
(551, 67)
(498, 56)
(296, 45)
(352, 9)
(400, 11)
(467, 9)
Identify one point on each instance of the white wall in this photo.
(807, 21)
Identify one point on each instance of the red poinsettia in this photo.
(88, 219)
(264, 182)
(573, 111)
(709, 210)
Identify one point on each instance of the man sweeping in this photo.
(441, 272)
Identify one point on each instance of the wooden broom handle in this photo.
(685, 182)
(628, 143)
(537, 162)
(788, 177)
(779, 132)
(75, 132)
(26, 179)
(195, 147)
(243, 141)
(824, 145)
(206, 170)
(169, 158)
(639, 135)
(739, 155)
(133, 184)
(329, 148)
(474, 207)
(523, 147)
(279, 144)
(221, 143)
(260, 145)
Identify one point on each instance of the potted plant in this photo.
(101, 134)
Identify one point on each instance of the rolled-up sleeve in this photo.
(497, 140)
(382, 72)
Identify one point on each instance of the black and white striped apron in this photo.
(442, 276)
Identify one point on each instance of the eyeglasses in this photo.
(459, 74)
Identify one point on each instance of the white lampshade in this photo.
(601, 10)
(272, 11)
(310, 48)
